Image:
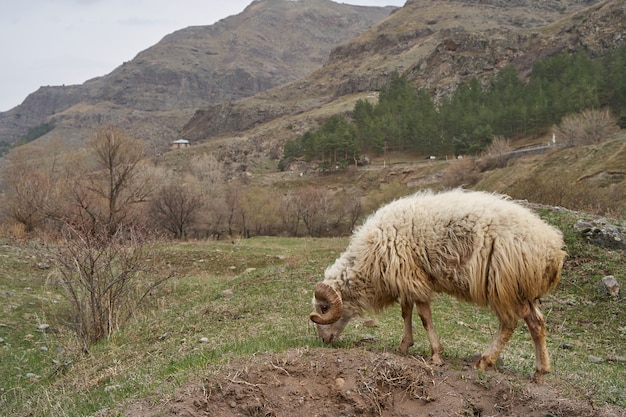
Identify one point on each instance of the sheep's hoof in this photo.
(436, 360)
(538, 378)
(483, 363)
(404, 348)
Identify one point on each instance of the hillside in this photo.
(155, 93)
(436, 45)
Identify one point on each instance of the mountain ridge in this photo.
(236, 57)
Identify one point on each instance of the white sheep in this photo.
(478, 247)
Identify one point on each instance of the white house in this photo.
(180, 144)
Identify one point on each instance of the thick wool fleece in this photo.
(476, 246)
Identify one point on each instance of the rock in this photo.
(43, 327)
(370, 323)
(610, 285)
(1, 340)
(339, 383)
(227, 293)
(43, 265)
(204, 340)
(601, 233)
(594, 359)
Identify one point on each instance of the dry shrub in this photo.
(461, 172)
(104, 277)
(586, 128)
(580, 196)
(496, 155)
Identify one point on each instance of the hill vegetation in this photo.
(465, 123)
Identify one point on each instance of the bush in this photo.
(496, 155)
(585, 128)
(460, 172)
(104, 277)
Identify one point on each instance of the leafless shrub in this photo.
(315, 209)
(460, 172)
(586, 128)
(176, 209)
(104, 277)
(496, 155)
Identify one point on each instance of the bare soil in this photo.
(355, 382)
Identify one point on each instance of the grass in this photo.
(191, 327)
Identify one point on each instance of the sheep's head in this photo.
(329, 314)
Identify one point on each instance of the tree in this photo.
(34, 180)
(175, 208)
(106, 195)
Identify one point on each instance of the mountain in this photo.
(435, 44)
(154, 94)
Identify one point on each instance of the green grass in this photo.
(271, 280)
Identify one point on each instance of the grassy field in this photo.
(190, 325)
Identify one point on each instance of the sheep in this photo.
(478, 247)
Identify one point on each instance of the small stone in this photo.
(566, 346)
(204, 340)
(232, 404)
(43, 265)
(43, 349)
(594, 359)
(1, 340)
(43, 327)
(611, 285)
(227, 293)
(370, 323)
(339, 383)
(31, 375)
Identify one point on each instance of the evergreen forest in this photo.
(465, 123)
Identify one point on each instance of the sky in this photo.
(65, 42)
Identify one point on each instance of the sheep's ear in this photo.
(327, 295)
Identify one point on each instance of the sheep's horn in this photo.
(324, 292)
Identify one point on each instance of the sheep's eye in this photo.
(324, 309)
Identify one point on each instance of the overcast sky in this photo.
(64, 42)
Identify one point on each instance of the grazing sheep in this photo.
(478, 247)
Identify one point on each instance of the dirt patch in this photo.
(335, 382)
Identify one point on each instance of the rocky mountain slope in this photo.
(154, 94)
(437, 45)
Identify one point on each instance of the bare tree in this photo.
(289, 213)
(107, 194)
(175, 208)
(315, 209)
(33, 179)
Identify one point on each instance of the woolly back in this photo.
(476, 246)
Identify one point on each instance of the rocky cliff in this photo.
(437, 45)
(239, 56)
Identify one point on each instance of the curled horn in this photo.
(324, 292)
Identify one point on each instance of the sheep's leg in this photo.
(490, 356)
(536, 325)
(407, 335)
(436, 348)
